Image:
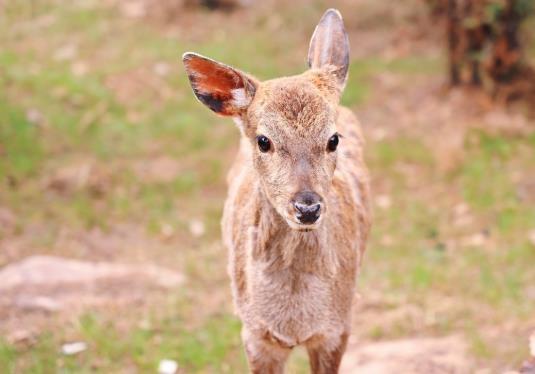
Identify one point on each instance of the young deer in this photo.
(296, 217)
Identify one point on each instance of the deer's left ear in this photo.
(329, 47)
(221, 88)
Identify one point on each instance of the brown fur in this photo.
(293, 284)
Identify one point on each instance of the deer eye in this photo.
(263, 143)
(333, 143)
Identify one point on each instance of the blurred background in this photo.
(112, 181)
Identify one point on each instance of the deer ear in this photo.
(221, 88)
(329, 47)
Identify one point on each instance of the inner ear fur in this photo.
(221, 88)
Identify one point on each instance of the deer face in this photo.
(291, 128)
(288, 122)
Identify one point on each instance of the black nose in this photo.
(308, 206)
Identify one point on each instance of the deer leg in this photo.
(263, 354)
(325, 356)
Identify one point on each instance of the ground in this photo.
(112, 183)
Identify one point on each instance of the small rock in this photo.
(161, 69)
(196, 227)
(43, 303)
(167, 367)
(145, 324)
(461, 215)
(133, 9)
(52, 271)
(387, 240)
(475, 240)
(531, 237)
(379, 134)
(34, 116)
(20, 336)
(421, 355)
(66, 52)
(167, 230)
(383, 201)
(69, 349)
(79, 68)
(460, 209)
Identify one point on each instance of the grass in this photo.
(23, 153)
(488, 281)
(112, 350)
(52, 117)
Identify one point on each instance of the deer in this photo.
(297, 214)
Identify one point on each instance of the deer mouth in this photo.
(299, 226)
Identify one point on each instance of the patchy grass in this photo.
(8, 356)
(420, 253)
(20, 146)
(113, 347)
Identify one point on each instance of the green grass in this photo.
(489, 282)
(8, 356)
(214, 345)
(19, 140)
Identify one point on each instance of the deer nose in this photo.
(308, 206)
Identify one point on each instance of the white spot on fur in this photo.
(239, 98)
(239, 122)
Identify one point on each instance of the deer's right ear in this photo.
(221, 88)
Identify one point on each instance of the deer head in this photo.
(289, 122)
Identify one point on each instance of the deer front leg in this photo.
(264, 354)
(325, 355)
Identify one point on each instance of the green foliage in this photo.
(494, 11)
(208, 346)
(20, 146)
(8, 357)
(524, 7)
